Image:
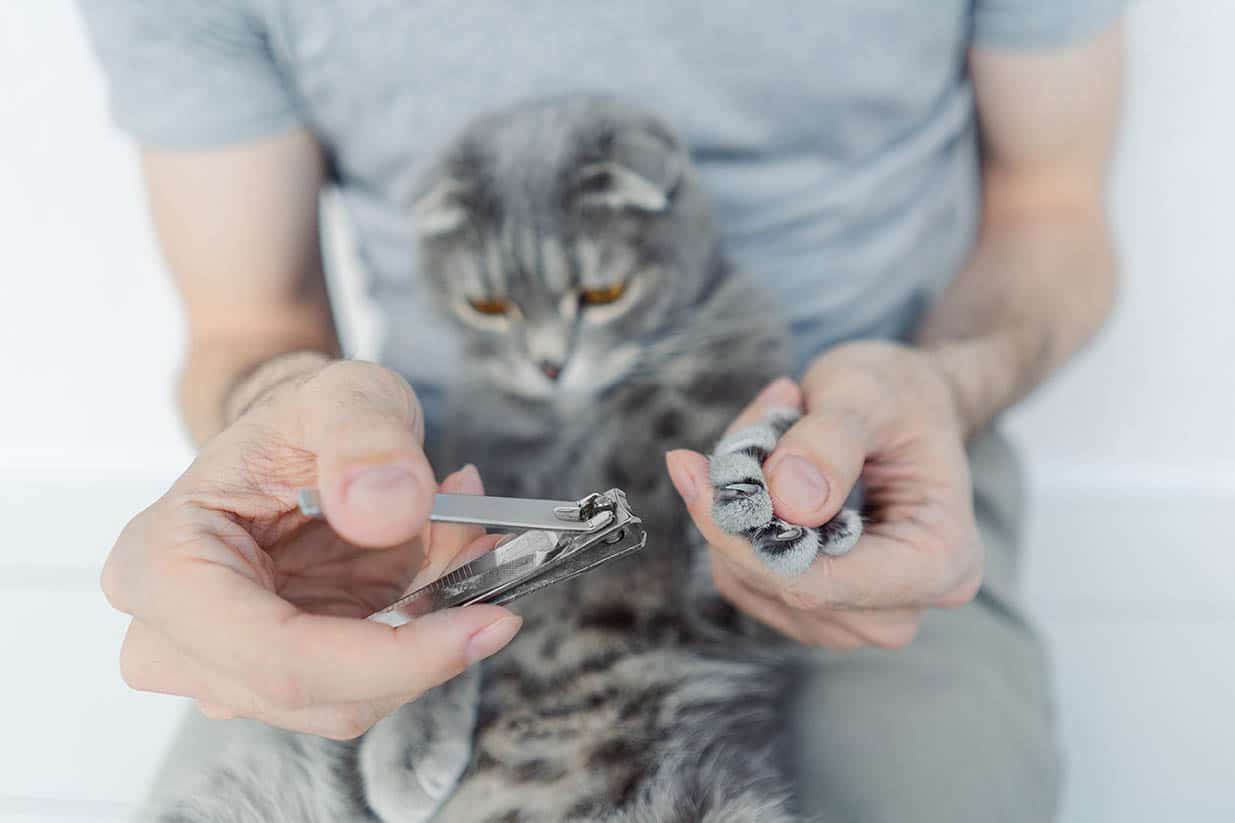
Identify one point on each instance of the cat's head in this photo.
(563, 236)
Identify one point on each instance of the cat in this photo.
(571, 244)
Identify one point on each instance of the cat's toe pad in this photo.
(742, 506)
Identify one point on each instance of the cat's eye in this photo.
(489, 305)
(602, 295)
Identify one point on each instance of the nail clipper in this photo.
(551, 541)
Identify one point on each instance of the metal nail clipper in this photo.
(551, 541)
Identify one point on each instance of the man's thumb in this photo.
(364, 424)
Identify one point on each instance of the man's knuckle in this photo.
(113, 578)
(389, 382)
(112, 584)
(373, 383)
(833, 640)
(349, 722)
(963, 591)
(739, 596)
(336, 372)
(724, 583)
(962, 579)
(133, 671)
(896, 636)
(214, 711)
(936, 546)
(803, 598)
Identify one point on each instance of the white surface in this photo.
(1134, 594)
(1130, 561)
(1153, 402)
(88, 743)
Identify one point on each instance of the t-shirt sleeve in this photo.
(1040, 24)
(189, 73)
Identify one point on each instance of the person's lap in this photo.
(956, 727)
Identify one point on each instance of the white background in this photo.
(1132, 450)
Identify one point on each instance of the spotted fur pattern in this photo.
(630, 694)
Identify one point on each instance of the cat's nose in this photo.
(550, 369)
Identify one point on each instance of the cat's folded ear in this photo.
(439, 209)
(639, 169)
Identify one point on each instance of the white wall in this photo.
(1154, 402)
(1132, 450)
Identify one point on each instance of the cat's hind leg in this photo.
(742, 506)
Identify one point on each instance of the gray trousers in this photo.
(956, 728)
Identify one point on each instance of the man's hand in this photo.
(244, 604)
(1037, 286)
(885, 412)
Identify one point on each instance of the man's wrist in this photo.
(980, 375)
(249, 388)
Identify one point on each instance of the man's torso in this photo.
(835, 139)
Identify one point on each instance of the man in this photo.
(929, 285)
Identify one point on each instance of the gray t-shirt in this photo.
(836, 139)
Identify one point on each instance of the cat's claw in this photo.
(742, 506)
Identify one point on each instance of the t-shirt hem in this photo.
(189, 135)
(1046, 30)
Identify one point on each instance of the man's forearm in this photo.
(218, 376)
(1038, 285)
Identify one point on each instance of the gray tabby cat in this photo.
(573, 247)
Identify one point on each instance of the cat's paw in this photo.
(742, 506)
(412, 760)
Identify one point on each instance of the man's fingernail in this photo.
(381, 486)
(682, 481)
(492, 638)
(469, 480)
(798, 484)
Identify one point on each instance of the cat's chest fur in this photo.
(588, 671)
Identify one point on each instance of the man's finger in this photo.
(775, 615)
(338, 721)
(885, 628)
(880, 573)
(443, 565)
(839, 629)
(752, 603)
(885, 573)
(447, 540)
(815, 465)
(292, 659)
(781, 393)
(364, 424)
(689, 472)
(150, 662)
